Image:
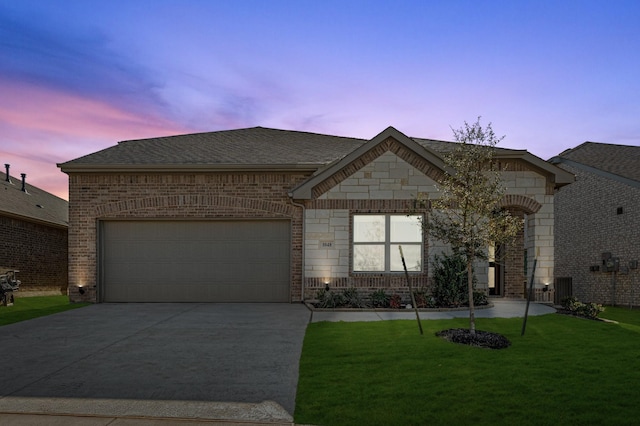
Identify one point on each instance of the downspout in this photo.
(303, 244)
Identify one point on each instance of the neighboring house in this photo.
(271, 215)
(598, 220)
(33, 236)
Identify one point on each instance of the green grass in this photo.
(565, 370)
(25, 308)
(623, 315)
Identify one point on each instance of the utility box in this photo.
(612, 264)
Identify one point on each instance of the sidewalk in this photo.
(502, 308)
(117, 412)
(71, 420)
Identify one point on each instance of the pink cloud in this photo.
(41, 127)
(58, 113)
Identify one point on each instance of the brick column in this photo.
(514, 277)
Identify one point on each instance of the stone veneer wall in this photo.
(587, 225)
(175, 196)
(389, 184)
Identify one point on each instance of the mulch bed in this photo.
(481, 339)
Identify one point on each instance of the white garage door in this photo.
(195, 261)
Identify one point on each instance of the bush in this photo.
(480, 298)
(327, 299)
(351, 298)
(395, 301)
(587, 310)
(423, 300)
(450, 280)
(380, 299)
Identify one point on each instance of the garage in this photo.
(195, 261)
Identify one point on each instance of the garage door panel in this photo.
(195, 261)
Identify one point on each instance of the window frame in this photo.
(387, 244)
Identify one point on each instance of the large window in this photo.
(376, 239)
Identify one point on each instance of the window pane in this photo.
(406, 229)
(368, 229)
(412, 257)
(368, 257)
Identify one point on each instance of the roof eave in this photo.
(61, 225)
(141, 168)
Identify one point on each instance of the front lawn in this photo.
(25, 308)
(622, 315)
(565, 370)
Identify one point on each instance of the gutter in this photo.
(141, 168)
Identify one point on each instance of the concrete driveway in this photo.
(156, 359)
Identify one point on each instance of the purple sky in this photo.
(79, 76)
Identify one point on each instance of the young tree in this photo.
(467, 215)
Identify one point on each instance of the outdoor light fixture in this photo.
(80, 289)
(546, 287)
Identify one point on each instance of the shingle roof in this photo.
(34, 205)
(444, 146)
(621, 160)
(252, 146)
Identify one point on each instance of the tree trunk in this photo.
(472, 315)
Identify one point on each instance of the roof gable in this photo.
(420, 157)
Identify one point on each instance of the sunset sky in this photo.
(79, 76)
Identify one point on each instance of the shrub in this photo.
(591, 310)
(351, 298)
(450, 280)
(327, 299)
(423, 300)
(380, 299)
(480, 298)
(571, 304)
(587, 310)
(395, 301)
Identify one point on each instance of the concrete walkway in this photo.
(502, 308)
(18, 408)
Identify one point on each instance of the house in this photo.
(270, 215)
(33, 236)
(598, 223)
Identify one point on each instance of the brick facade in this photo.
(594, 215)
(385, 179)
(93, 197)
(38, 251)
